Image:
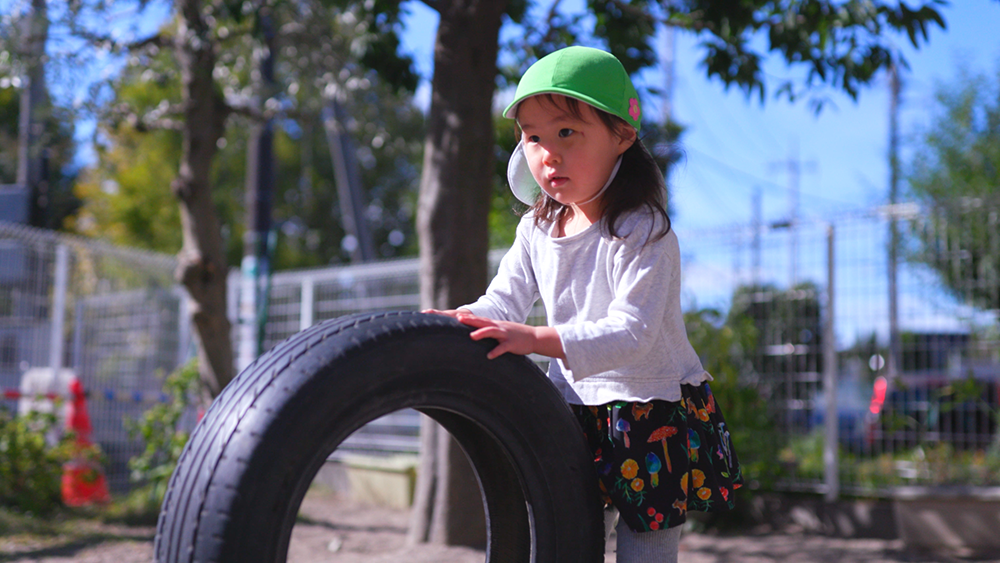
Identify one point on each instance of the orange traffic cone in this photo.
(83, 479)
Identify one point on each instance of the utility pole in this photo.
(793, 168)
(31, 122)
(348, 180)
(758, 213)
(831, 454)
(256, 266)
(895, 353)
(669, 48)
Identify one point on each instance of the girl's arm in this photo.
(512, 293)
(515, 338)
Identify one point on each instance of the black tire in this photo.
(241, 478)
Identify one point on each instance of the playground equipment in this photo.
(242, 476)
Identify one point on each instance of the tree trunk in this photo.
(452, 225)
(201, 262)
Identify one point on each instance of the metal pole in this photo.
(348, 180)
(306, 308)
(184, 326)
(670, 47)
(260, 186)
(758, 214)
(895, 346)
(830, 450)
(58, 315)
(31, 126)
(793, 210)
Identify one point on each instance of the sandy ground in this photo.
(337, 530)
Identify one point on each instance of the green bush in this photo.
(160, 430)
(724, 349)
(30, 468)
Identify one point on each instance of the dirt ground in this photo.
(337, 530)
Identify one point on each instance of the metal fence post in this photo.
(58, 313)
(183, 326)
(306, 306)
(830, 446)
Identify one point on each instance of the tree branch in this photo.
(157, 124)
(159, 118)
(550, 34)
(105, 40)
(251, 112)
(636, 12)
(433, 4)
(154, 40)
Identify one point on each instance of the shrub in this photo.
(30, 468)
(161, 429)
(724, 349)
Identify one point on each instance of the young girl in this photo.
(597, 247)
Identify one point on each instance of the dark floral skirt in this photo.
(657, 460)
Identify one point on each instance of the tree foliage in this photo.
(955, 174)
(838, 44)
(217, 50)
(726, 346)
(127, 192)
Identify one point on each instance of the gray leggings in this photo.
(646, 547)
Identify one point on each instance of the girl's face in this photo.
(570, 157)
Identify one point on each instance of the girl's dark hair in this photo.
(638, 183)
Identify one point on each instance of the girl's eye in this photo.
(533, 138)
(566, 132)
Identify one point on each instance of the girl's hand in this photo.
(515, 338)
(453, 313)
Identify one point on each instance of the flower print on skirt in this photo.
(658, 460)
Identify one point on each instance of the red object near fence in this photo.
(83, 480)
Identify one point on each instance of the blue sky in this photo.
(734, 144)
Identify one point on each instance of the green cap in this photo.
(590, 75)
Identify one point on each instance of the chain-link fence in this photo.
(112, 316)
(896, 308)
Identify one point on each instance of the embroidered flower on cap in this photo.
(633, 109)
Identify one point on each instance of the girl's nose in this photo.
(550, 156)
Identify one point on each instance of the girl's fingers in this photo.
(487, 332)
(496, 352)
(488, 328)
(500, 349)
(446, 313)
(495, 333)
(478, 322)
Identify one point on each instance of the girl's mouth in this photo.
(558, 181)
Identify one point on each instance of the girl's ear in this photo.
(626, 138)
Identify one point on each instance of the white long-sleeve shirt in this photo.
(615, 303)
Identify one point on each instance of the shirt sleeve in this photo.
(641, 276)
(514, 291)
